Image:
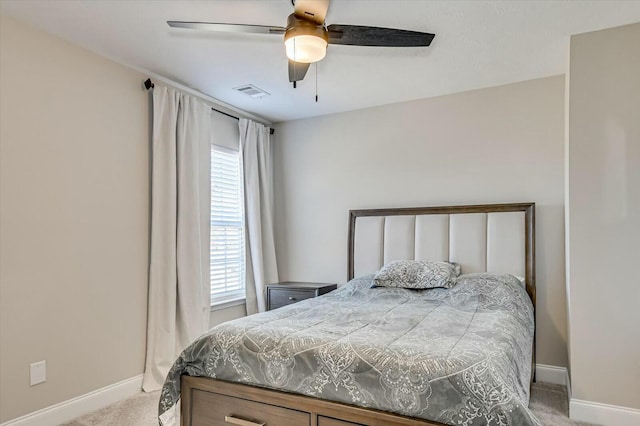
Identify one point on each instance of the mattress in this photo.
(459, 356)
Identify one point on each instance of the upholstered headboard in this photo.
(481, 238)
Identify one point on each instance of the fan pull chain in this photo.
(316, 64)
(295, 71)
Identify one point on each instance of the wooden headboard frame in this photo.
(529, 230)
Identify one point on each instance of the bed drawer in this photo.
(212, 409)
(328, 421)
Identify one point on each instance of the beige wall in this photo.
(501, 144)
(219, 316)
(603, 212)
(74, 219)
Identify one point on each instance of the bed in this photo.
(382, 356)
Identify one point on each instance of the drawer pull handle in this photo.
(292, 298)
(241, 422)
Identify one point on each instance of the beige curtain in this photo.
(257, 164)
(178, 308)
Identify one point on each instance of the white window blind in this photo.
(227, 227)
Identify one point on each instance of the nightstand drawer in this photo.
(288, 292)
(279, 297)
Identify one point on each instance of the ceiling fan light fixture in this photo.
(305, 41)
(306, 48)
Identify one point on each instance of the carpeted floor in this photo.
(548, 402)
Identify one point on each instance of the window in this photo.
(227, 227)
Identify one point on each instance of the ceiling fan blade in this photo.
(312, 10)
(233, 28)
(356, 35)
(297, 71)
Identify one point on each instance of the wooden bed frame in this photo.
(212, 402)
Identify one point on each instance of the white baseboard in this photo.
(81, 405)
(603, 414)
(552, 374)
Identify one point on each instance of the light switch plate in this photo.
(38, 372)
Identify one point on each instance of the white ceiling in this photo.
(477, 44)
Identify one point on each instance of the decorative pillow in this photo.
(417, 274)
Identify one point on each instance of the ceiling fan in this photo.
(306, 36)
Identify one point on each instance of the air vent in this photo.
(251, 90)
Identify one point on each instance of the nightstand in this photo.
(286, 293)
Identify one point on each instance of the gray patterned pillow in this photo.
(417, 274)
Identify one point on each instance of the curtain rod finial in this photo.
(148, 84)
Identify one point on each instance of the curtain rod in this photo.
(148, 84)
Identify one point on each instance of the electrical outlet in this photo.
(38, 372)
